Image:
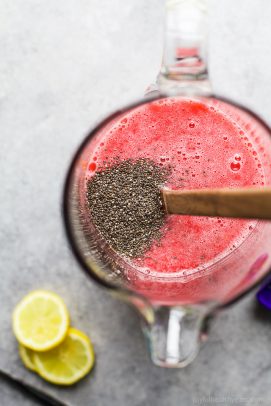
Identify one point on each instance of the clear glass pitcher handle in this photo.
(184, 66)
(174, 334)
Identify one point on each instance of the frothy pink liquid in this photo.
(207, 144)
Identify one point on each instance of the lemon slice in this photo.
(40, 320)
(67, 363)
(27, 357)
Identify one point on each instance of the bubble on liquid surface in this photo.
(235, 166)
(237, 157)
(192, 124)
(92, 166)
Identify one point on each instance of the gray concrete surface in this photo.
(11, 396)
(65, 64)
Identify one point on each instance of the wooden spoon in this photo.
(250, 203)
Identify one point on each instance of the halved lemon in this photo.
(67, 363)
(40, 320)
(27, 357)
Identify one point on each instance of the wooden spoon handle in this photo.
(240, 203)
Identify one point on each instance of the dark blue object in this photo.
(264, 294)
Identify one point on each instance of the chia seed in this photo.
(126, 206)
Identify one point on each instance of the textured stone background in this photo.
(64, 64)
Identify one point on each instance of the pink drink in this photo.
(207, 144)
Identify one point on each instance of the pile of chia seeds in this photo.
(126, 206)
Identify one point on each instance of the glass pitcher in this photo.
(175, 307)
